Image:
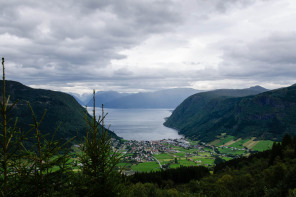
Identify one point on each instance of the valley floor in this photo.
(146, 156)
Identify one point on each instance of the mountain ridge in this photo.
(61, 108)
(265, 115)
(167, 98)
(103, 97)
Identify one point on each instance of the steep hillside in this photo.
(169, 98)
(268, 115)
(61, 108)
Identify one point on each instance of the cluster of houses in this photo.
(143, 151)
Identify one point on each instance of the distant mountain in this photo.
(169, 98)
(104, 97)
(82, 99)
(61, 108)
(236, 92)
(266, 115)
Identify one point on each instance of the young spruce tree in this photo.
(99, 160)
(51, 171)
(39, 168)
(10, 144)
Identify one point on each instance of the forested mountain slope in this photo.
(268, 115)
(61, 108)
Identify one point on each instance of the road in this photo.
(158, 162)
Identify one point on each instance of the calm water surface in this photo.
(139, 124)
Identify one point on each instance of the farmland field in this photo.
(263, 145)
(239, 144)
(146, 167)
(163, 156)
(194, 154)
(225, 139)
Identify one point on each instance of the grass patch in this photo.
(208, 149)
(191, 150)
(229, 151)
(185, 162)
(123, 164)
(146, 167)
(204, 154)
(215, 142)
(226, 158)
(232, 142)
(239, 144)
(163, 156)
(225, 139)
(191, 142)
(263, 145)
(251, 143)
(203, 160)
(208, 161)
(181, 154)
(175, 165)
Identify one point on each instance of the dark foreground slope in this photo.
(61, 108)
(268, 115)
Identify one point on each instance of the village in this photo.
(146, 156)
(172, 153)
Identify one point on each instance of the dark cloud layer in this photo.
(64, 38)
(131, 45)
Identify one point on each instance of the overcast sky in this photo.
(145, 45)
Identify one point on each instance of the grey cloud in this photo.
(224, 5)
(123, 72)
(70, 37)
(271, 57)
(134, 84)
(207, 9)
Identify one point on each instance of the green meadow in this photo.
(179, 156)
(146, 167)
(263, 145)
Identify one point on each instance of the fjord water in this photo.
(139, 124)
